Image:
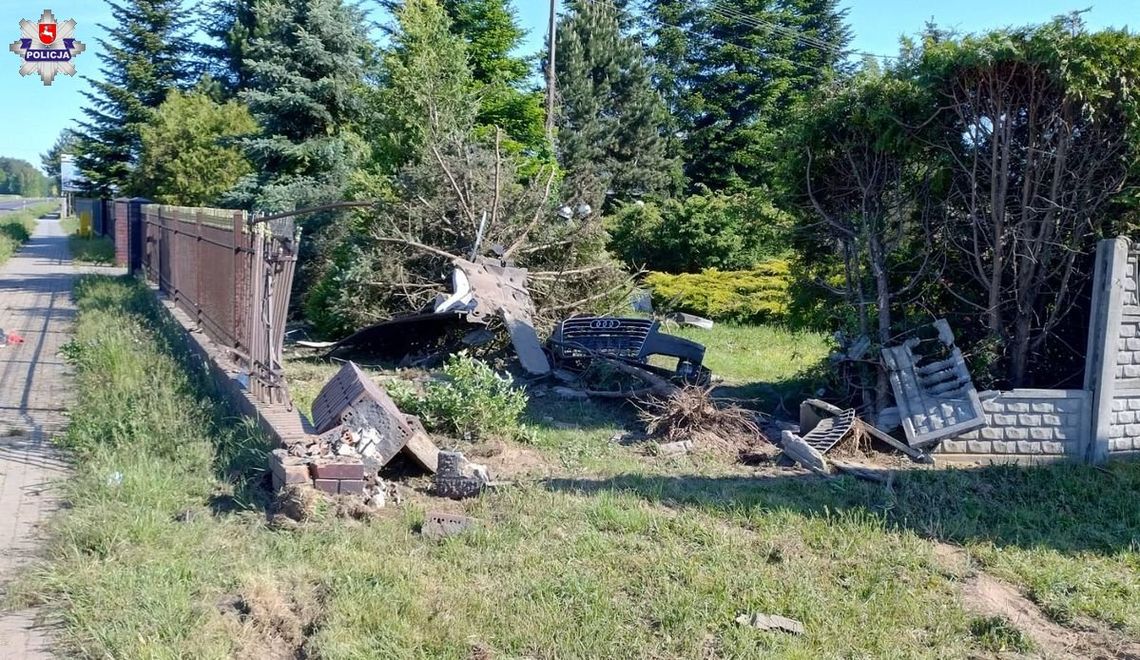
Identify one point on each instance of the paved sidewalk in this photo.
(35, 301)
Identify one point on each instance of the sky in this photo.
(32, 115)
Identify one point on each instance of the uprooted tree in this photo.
(458, 193)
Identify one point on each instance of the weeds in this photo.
(473, 402)
(97, 250)
(998, 635)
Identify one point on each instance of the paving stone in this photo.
(35, 301)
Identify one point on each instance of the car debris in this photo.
(771, 622)
(457, 478)
(497, 288)
(674, 449)
(482, 289)
(578, 339)
(829, 432)
(814, 412)
(681, 318)
(933, 388)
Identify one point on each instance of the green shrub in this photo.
(758, 295)
(472, 401)
(730, 232)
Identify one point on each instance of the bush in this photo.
(730, 232)
(472, 402)
(758, 295)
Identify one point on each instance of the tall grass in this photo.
(164, 551)
(97, 250)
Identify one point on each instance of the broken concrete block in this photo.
(933, 389)
(420, 447)
(803, 453)
(457, 478)
(771, 622)
(674, 449)
(439, 525)
(570, 393)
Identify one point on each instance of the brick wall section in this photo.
(1027, 423)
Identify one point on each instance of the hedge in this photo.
(758, 295)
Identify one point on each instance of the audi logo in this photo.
(605, 324)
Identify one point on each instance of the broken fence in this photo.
(233, 278)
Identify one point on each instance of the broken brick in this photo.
(330, 486)
(351, 487)
(337, 470)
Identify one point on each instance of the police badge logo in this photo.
(47, 48)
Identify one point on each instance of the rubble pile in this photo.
(360, 431)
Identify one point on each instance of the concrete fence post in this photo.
(1104, 339)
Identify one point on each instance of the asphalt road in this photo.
(17, 204)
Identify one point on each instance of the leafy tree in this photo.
(613, 124)
(146, 55)
(1042, 127)
(734, 72)
(19, 177)
(304, 68)
(66, 143)
(709, 230)
(188, 155)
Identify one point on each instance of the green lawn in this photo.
(164, 551)
(96, 250)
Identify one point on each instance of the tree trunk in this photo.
(883, 299)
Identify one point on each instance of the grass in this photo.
(96, 250)
(16, 227)
(623, 556)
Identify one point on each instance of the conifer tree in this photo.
(733, 72)
(147, 53)
(303, 68)
(613, 124)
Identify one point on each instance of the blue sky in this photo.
(32, 115)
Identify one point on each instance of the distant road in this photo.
(17, 204)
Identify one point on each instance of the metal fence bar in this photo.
(232, 277)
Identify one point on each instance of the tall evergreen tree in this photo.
(229, 24)
(733, 72)
(427, 90)
(613, 124)
(304, 68)
(492, 34)
(146, 55)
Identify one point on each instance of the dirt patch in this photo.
(510, 462)
(272, 619)
(988, 596)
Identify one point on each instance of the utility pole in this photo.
(550, 81)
